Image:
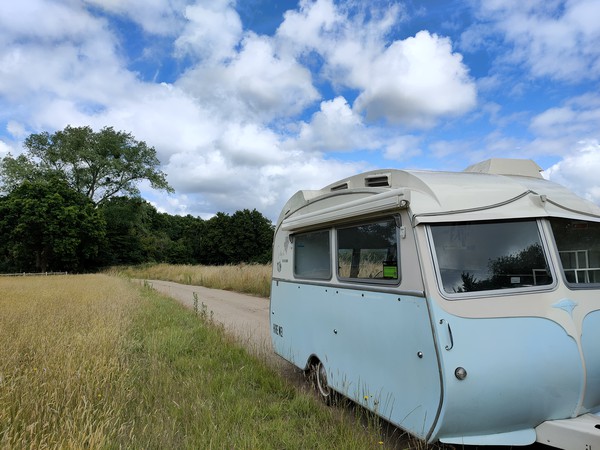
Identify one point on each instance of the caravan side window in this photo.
(312, 255)
(368, 251)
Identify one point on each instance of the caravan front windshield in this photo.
(483, 256)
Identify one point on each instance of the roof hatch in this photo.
(506, 166)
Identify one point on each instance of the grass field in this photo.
(95, 361)
(254, 279)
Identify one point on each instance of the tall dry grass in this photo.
(99, 362)
(63, 370)
(254, 279)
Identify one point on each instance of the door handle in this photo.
(449, 337)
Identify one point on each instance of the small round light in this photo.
(460, 373)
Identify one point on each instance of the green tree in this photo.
(184, 232)
(124, 231)
(252, 234)
(246, 236)
(216, 245)
(47, 226)
(136, 233)
(99, 165)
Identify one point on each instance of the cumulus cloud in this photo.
(579, 170)
(416, 81)
(72, 70)
(256, 84)
(23, 21)
(212, 177)
(212, 31)
(335, 127)
(412, 81)
(556, 39)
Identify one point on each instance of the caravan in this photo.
(461, 307)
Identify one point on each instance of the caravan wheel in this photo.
(320, 375)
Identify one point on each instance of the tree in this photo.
(99, 165)
(246, 236)
(136, 233)
(124, 231)
(47, 226)
(252, 234)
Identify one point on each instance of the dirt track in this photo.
(244, 316)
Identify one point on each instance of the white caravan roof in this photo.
(492, 189)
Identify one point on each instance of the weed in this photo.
(195, 295)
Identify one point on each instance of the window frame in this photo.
(500, 292)
(560, 266)
(396, 220)
(301, 276)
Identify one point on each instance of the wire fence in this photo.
(31, 274)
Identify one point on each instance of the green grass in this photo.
(98, 362)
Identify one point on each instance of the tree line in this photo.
(70, 203)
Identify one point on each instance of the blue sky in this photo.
(247, 102)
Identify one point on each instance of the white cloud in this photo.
(308, 27)
(212, 177)
(416, 81)
(163, 17)
(17, 130)
(335, 127)
(4, 149)
(556, 39)
(51, 74)
(251, 146)
(212, 31)
(403, 147)
(257, 84)
(48, 21)
(577, 118)
(579, 170)
(413, 81)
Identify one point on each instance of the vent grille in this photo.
(378, 181)
(340, 187)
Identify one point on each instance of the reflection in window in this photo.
(578, 244)
(480, 256)
(312, 255)
(368, 251)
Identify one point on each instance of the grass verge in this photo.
(94, 361)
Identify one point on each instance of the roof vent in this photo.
(377, 181)
(506, 166)
(339, 187)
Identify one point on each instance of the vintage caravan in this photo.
(462, 307)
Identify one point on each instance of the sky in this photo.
(248, 101)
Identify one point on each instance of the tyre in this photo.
(320, 381)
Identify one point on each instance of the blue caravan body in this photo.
(461, 307)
